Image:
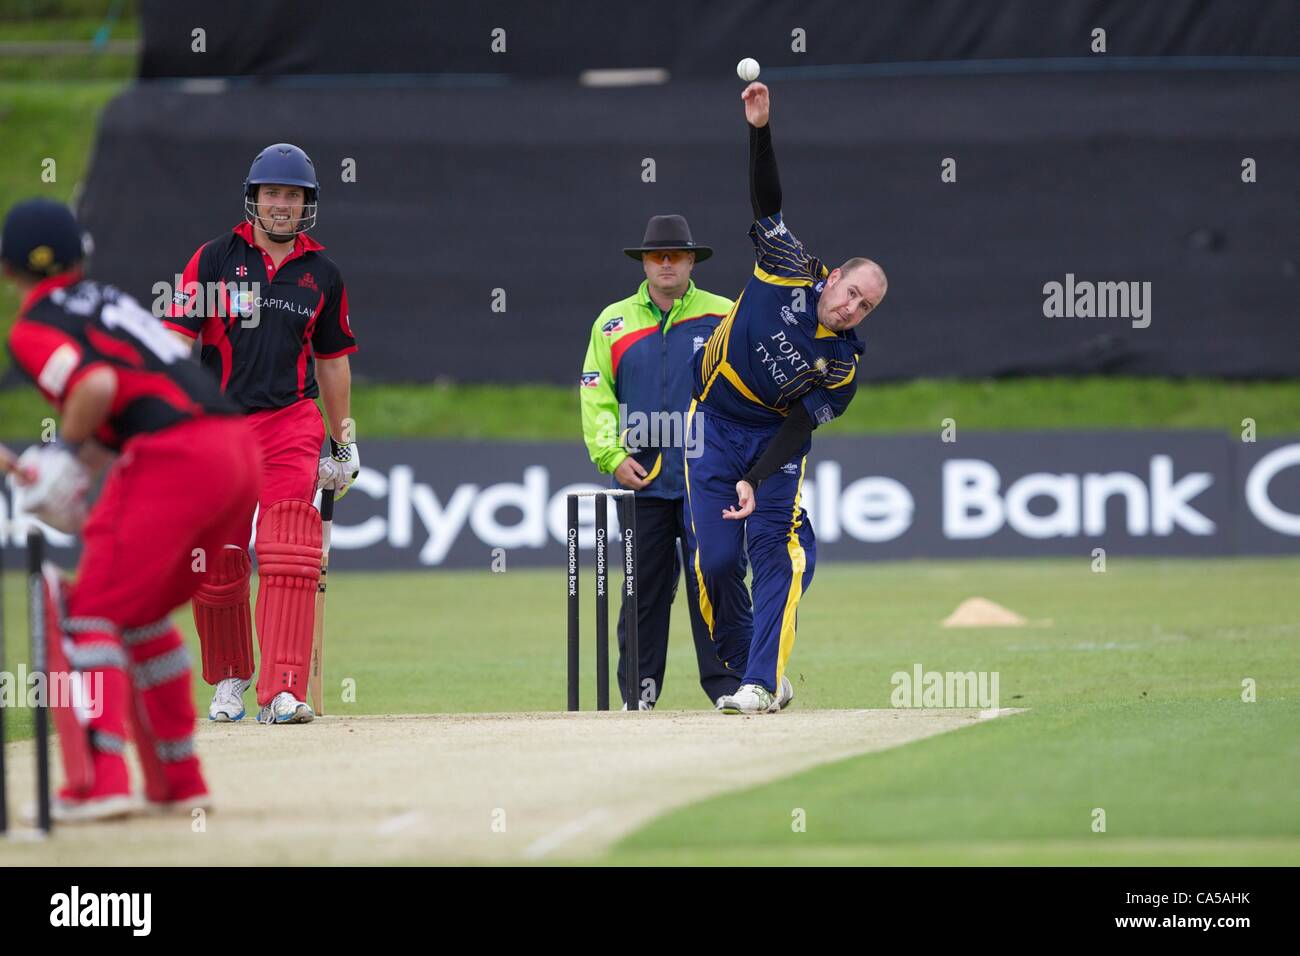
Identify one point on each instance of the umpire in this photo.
(635, 392)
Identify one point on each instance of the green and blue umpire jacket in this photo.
(640, 362)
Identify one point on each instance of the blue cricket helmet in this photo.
(41, 238)
(285, 165)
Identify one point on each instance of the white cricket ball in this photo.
(747, 69)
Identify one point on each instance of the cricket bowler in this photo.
(781, 363)
(276, 335)
(183, 481)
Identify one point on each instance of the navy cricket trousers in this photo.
(753, 635)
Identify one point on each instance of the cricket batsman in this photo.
(781, 363)
(184, 479)
(275, 334)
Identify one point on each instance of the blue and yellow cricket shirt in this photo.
(770, 351)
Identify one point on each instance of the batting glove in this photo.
(56, 489)
(340, 469)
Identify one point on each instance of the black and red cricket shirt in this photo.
(262, 328)
(67, 327)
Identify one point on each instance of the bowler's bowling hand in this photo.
(744, 492)
(630, 474)
(758, 104)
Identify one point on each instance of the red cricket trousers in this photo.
(290, 440)
(289, 443)
(171, 500)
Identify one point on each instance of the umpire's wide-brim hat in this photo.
(668, 232)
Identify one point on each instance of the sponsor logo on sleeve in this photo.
(590, 379)
(58, 367)
(613, 326)
(825, 415)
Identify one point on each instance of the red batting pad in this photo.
(73, 728)
(162, 718)
(288, 570)
(222, 617)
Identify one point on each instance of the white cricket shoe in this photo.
(784, 693)
(228, 700)
(113, 806)
(284, 708)
(749, 699)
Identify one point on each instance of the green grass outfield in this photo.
(1132, 697)
(40, 120)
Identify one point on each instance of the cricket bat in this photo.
(315, 675)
